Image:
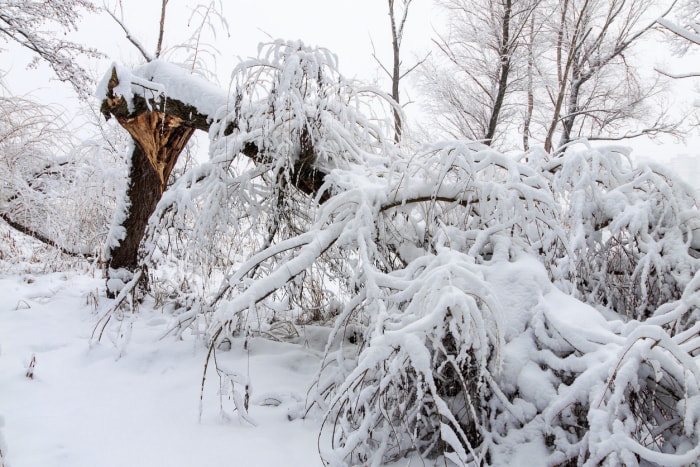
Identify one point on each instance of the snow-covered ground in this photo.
(88, 406)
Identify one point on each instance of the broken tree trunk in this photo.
(158, 140)
(160, 128)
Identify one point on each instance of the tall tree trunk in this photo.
(158, 142)
(503, 73)
(142, 193)
(396, 35)
(572, 110)
(395, 90)
(530, 92)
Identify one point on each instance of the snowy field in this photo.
(88, 406)
(495, 309)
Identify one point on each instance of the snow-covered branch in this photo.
(481, 305)
(23, 23)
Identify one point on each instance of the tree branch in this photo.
(677, 76)
(161, 29)
(42, 238)
(131, 38)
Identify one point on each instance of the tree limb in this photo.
(677, 76)
(43, 238)
(131, 38)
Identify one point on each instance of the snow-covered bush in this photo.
(631, 235)
(424, 374)
(483, 308)
(52, 188)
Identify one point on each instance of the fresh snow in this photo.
(163, 79)
(87, 406)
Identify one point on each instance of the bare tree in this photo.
(480, 67)
(397, 17)
(23, 22)
(596, 88)
(546, 69)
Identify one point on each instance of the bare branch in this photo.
(379, 62)
(677, 75)
(23, 229)
(413, 68)
(161, 29)
(130, 37)
(691, 36)
(24, 23)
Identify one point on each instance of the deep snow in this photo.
(88, 406)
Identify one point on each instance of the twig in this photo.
(131, 38)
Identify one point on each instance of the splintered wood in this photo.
(161, 137)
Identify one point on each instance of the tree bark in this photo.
(148, 176)
(143, 193)
(396, 68)
(503, 74)
(159, 138)
(530, 92)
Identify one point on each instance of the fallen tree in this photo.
(481, 307)
(161, 105)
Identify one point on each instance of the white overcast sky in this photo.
(346, 27)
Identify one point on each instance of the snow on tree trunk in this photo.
(161, 105)
(144, 190)
(483, 309)
(159, 138)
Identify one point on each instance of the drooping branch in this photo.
(155, 121)
(23, 229)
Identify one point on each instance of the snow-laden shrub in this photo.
(626, 393)
(424, 375)
(632, 236)
(483, 309)
(560, 373)
(52, 188)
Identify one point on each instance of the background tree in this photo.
(29, 23)
(41, 167)
(473, 84)
(397, 17)
(544, 69)
(596, 88)
(53, 188)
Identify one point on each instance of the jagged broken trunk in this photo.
(158, 142)
(161, 127)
